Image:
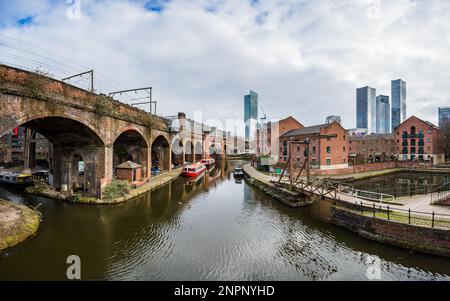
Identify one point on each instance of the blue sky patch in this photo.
(25, 21)
(156, 5)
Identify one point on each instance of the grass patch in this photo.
(115, 189)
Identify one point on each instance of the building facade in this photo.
(419, 140)
(371, 148)
(398, 98)
(444, 116)
(324, 153)
(366, 109)
(383, 117)
(250, 114)
(269, 133)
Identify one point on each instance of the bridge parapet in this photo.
(27, 84)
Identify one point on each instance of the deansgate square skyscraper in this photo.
(383, 115)
(398, 102)
(366, 109)
(250, 114)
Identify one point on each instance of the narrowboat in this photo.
(238, 172)
(15, 178)
(208, 162)
(193, 170)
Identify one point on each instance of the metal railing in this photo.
(406, 216)
(366, 195)
(349, 189)
(440, 194)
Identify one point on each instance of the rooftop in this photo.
(129, 165)
(315, 129)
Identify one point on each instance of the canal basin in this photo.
(211, 229)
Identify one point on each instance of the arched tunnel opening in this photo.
(22, 147)
(75, 153)
(160, 155)
(131, 146)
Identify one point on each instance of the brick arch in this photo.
(156, 134)
(5, 128)
(131, 128)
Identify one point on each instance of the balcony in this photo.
(406, 135)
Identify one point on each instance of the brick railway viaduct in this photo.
(98, 130)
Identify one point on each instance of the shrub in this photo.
(115, 189)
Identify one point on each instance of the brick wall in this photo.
(427, 240)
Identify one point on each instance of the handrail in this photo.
(418, 218)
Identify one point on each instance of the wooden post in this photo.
(409, 216)
(374, 209)
(388, 216)
(432, 220)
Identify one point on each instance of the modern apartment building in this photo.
(383, 116)
(398, 98)
(366, 109)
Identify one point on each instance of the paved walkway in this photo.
(419, 203)
(152, 184)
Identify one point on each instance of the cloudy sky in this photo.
(304, 58)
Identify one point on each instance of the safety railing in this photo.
(406, 216)
(440, 194)
(366, 195)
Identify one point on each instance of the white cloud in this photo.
(304, 58)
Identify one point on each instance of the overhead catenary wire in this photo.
(34, 61)
(57, 55)
(72, 69)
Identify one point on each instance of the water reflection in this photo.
(404, 183)
(211, 229)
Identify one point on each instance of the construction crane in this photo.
(265, 115)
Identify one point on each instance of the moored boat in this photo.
(208, 162)
(15, 178)
(238, 171)
(193, 170)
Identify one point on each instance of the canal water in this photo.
(213, 229)
(404, 183)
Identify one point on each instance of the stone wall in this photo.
(427, 240)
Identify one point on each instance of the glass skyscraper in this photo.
(366, 109)
(383, 117)
(250, 114)
(398, 96)
(444, 116)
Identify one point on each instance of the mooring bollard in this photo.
(432, 220)
(409, 216)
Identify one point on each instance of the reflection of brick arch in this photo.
(6, 127)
